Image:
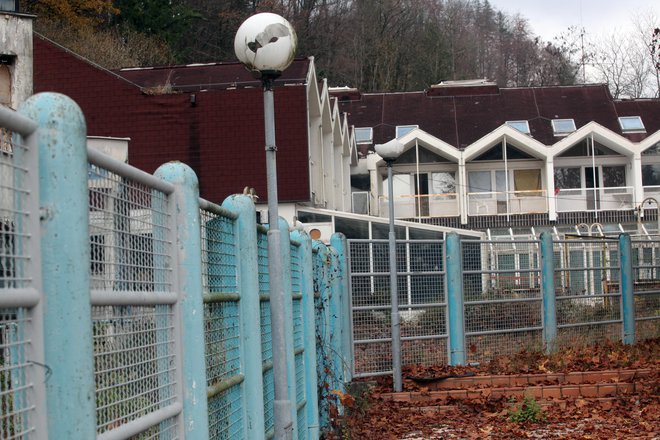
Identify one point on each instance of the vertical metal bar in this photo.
(285, 262)
(338, 241)
(188, 248)
(249, 307)
(323, 327)
(394, 296)
(455, 300)
(627, 289)
(548, 291)
(334, 316)
(35, 349)
(309, 323)
(282, 404)
(65, 253)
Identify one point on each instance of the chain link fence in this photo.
(22, 368)
(507, 303)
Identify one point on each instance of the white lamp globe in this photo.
(390, 150)
(265, 43)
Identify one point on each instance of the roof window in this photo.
(563, 127)
(364, 135)
(402, 130)
(631, 124)
(521, 126)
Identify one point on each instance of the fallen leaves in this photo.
(630, 416)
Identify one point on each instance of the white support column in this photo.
(550, 188)
(636, 173)
(375, 183)
(462, 191)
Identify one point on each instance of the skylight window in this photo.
(364, 135)
(402, 130)
(631, 124)
(562, 127)
(521, 126)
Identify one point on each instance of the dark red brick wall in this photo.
(221, 137)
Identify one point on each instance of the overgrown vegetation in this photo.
(526, 411)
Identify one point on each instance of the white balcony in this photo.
(598, 199)
(512, 202)
(428, 205)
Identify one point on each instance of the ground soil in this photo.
(627, 416)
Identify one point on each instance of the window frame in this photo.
(513, 124)
(411, 127)
(639, 129)
(555, 126)
(371, 135)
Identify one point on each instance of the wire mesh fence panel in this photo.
(421, 296)
(16, 397)
(222, 326)
(134, 345)
(134, 362)
(298, 339)
(266, 334)
(20, 340)
(130, 234)
(646, 275)
(502, 297)
(587, 286)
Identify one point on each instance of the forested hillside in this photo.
(375, 45)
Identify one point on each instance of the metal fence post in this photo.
(285, 258)
(324, 331)
(548, 291)
(188, 261)
(338, 242)
(455, 300)
(248, 287)
(65, 253)
(309, 322)
(334, 316)
(627, 289)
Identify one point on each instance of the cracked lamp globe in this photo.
(389, 150)
(265, 42)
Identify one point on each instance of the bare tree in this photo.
(627, 62)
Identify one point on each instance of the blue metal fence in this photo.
(153, 319)
(502, 296)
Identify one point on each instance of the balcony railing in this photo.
(426, 205)
(511, 202)
(595, 199)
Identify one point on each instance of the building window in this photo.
(563, 127)
(443, 184)
(651, 175)
(479, 182)
(527, 183)
(364, 135)
(521, 126)
(402, 130)
(631, 124)
(614, 176)
(568, 178)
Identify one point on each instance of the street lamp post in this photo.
(390, 151)
(266, 44)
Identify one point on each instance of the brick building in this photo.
(210, 116)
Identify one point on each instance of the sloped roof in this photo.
(210, 76)
(461, 118)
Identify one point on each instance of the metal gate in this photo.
(421, 287)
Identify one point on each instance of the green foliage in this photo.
(527, 411)
(167, 20)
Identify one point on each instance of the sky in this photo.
(549, 18)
